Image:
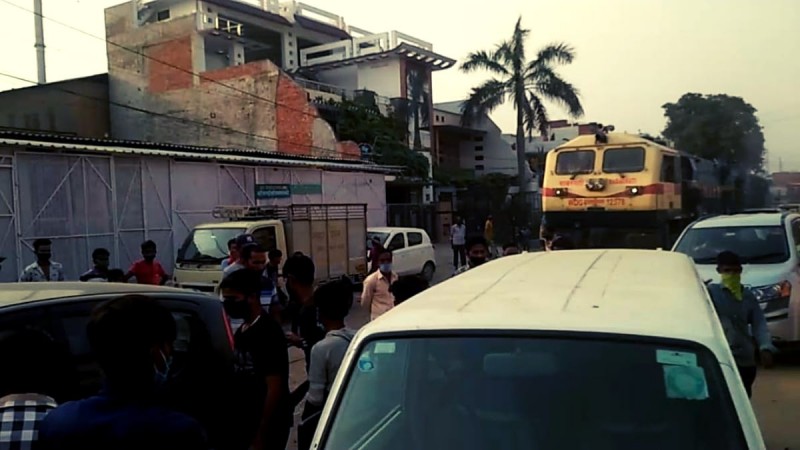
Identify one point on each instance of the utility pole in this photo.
(37, 21)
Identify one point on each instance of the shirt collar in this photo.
(381, 276)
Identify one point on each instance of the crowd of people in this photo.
(146, 270)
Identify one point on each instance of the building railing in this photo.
(323, 92)
(358, 46)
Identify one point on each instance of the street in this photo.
(776, 397)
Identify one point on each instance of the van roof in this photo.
(634, 292)
(19, 293)
(236, 224)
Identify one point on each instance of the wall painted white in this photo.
(342, 77)
(381, 77)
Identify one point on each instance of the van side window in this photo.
(266, 237)
(414, 239)
(668, 169)
(398, 242)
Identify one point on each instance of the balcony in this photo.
(370, 47)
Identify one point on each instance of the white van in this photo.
(586, 349)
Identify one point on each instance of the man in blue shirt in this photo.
(738, 310)
(131, 337)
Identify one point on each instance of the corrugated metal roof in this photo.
(249, 156)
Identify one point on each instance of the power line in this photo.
(168, 116)
(168, 64)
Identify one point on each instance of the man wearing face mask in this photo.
(738, 311)
(261, 365)
(132, 338)
(477, 253)
(376, 297)
(43, 269)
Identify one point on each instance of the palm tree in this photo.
(525, 83)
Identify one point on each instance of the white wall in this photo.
(343, 77)
(382, 77)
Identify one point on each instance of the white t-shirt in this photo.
(458, 234)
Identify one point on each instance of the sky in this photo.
(633, 56)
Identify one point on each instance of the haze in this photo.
(633, 55)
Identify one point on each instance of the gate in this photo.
(412, 215)
(10, 270)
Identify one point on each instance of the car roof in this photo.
(635, 292)
(394, 229)
(19, 293)
(742, 220)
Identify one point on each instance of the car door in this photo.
(416, 251)
(397, 245)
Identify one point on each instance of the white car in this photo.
(411, 248)
(585, 349)
(767, 243)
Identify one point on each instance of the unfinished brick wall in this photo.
(295, 118)
(177, 74)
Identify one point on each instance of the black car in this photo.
(202, 361)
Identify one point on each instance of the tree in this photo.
(362, 122)
(718, 127)
(526, 83)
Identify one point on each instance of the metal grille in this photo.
(293, 212)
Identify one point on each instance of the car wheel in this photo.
(428, 270)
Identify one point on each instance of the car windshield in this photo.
(208, 245)
(594, 392)
(371, 235)
(754, 245)
(621, 160)
(575, 162)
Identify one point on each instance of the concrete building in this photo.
(87, 193)
(77, 107)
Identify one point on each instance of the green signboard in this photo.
(269, 191)
(306, 189)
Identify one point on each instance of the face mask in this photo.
(474, 262)
(733, 282)
(160, 378)
(386, 267)
(235, 308)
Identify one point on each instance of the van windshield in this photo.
(208, 245)
(596, 392)
(754, 245)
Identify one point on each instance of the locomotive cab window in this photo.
(575, 162)
(621, 160)
(668, 169)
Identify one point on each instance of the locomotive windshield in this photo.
(621, 160)
(575, 162)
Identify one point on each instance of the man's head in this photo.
(406, 287)
(299, 272)
(334, 301)
(729, 263)
(385, 261)
(116, 276)
(241, 291)
(42, 249)
(242, 241)
(275, 256)
(233, 249)
(489, 217)
(30, 358)
(510, 248)
(101, 258)
(254, 257)
(477, 250)
(149, 251)
(132, 338)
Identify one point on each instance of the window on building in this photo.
(162, 15)
(479, 167)
(478, 138)
(478, 148)
(479, 158)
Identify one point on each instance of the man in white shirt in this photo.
(458, 239)
(376, 296)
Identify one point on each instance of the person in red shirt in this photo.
(147, 270)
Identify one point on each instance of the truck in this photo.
(334, 236)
